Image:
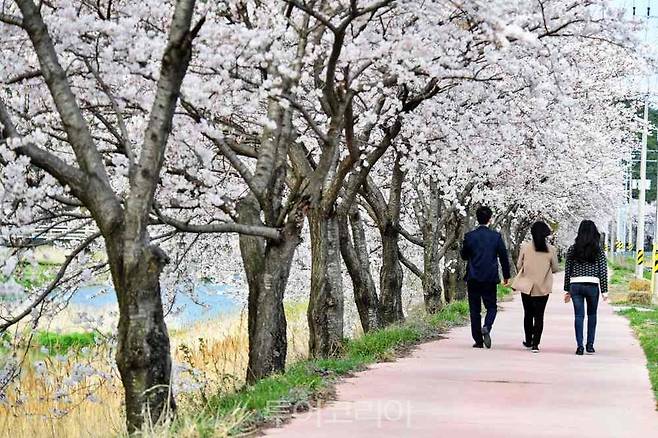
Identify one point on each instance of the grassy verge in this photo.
(624, 288)
(305, 383)
(625, 268)
(504, 292)
(645, 324)
(61, 343)
(620, 273)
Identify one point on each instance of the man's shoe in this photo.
(590, 349)
(527, 344)
(535, 349)
(478, 346)
(580, 351)
(486, 337)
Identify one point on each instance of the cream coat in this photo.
(538, 267)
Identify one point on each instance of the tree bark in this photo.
(356, 257)
(520, 232)
(391, 273)
(453, 275)
(267, 266)
(325, 307)
(428, 218)
(433, 290)
(454, 267)
(391, 276)
(143, 354)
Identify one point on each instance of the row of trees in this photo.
(181, 129)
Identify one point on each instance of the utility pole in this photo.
(629, 239)
(628, 211)
(639, 240)
(654, 264)
(620, 243)
(629, 215)
(611, 240)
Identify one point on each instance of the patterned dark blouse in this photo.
(598, 269)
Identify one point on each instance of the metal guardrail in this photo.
(63, 233)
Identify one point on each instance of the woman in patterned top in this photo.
(585, 275)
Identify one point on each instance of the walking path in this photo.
(448, 389)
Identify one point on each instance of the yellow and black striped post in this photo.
(619, 245)
(629, 247)
(640, 257)
(654, 269)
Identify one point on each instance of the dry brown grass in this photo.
(639, 284)
(35, 410)
(642, 298)
(217, 349)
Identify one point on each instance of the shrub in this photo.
(639, 297)
(639, 285)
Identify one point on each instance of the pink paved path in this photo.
(447, 389)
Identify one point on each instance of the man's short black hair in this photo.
(483, 215)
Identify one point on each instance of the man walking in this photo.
(483, 248)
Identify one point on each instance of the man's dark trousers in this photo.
(481, 292)
(483, 249)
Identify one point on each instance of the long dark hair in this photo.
(588, 243)
(540, 232)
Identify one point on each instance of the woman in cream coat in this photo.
(536, 264)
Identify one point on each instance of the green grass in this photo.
(503, 291)
(61, 343)
(305, 381)
(380, 344)
(4, 338)
(624, 272)
(453, 314)
(31, 277)
(621, 273)
(620, 277)
(36, 276)
(645, 324)
(622, 267)
(259, 398)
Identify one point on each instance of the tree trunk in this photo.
(356, 257)
(513, 235)
(390, 276)
(325, 307)
(456, 274)
(519, 236)
(450, 277)
(506, 232)
(453, 275)
(460, 287)
(267, 267)
(433, 291)
(143, 355)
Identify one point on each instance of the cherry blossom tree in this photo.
(135, 262)
(195, 140)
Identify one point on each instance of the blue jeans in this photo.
(582, 293)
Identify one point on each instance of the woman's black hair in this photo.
(588, 243)
(540, 232)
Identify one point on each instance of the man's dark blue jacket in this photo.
(483, 248)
